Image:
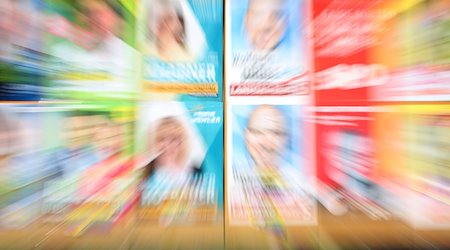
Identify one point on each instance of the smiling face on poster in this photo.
(172, 145)
(166, 29)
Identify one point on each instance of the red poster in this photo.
(344, 32)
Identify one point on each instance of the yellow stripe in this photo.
(190, 88)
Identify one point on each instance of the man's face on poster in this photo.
(265, 135)
(265, 23)
(102, 18)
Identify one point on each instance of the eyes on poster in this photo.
(269, 181)
(267, 48)
(182, 44)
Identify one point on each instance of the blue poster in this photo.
(182, 46)
(179, 147)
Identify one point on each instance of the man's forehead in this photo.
(266, 110)
(266, 117)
